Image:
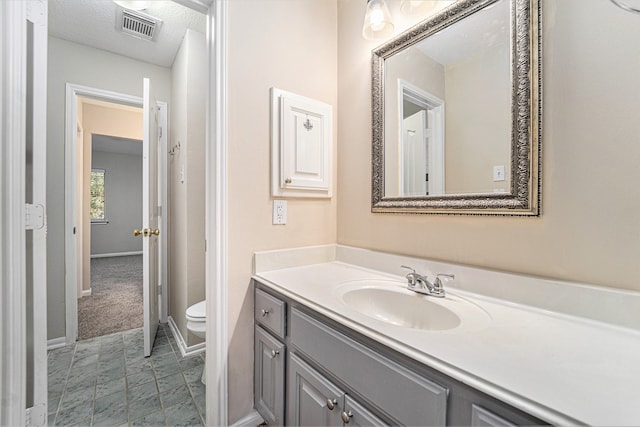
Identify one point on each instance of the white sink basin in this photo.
(391, 303)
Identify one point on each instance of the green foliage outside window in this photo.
(97, 195)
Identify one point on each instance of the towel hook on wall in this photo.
(174, 149)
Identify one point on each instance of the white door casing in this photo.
(150, 247)
(216, 215)
(23, 229)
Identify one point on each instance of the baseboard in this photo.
(56, 343)
(116, 254)
(182, 344)
(85, 293)
(252, 419)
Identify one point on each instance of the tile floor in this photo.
(107, 381)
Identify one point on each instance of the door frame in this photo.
(217, 343)
(23, 92)
(73, 91)
(13, 82)
(436, 147)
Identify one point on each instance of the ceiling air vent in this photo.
(139, 24)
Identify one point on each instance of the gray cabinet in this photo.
(312, 399)
(359, 416)
(310, 370)
(408, 398)
(269, 377)
(315, 401)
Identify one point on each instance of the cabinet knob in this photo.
(287, 181)
(264, 312)
(274, 354)
(331, 404)
(346, 416)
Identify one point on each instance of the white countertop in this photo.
(560, 368)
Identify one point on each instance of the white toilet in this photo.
(196, 324)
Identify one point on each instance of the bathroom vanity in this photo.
(339, 342)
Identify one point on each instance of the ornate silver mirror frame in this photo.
(526, 108)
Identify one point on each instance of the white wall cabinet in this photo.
(301, 146)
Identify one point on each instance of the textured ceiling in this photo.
(93, 23)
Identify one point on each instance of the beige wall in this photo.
(186, 199)
(589, 230)
(478, 122)
(74, 63)
(290, 45)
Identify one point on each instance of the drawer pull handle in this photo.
(346, 416)
(331, 403)
(274, 354)
(264, 312)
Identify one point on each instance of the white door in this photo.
(150, 247)
(415, 178)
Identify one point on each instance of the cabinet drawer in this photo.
(270, 312)
(404, 395)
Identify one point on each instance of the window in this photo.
(97, 195)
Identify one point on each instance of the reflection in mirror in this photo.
(454, 83)
(455, 117)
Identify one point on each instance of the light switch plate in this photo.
(498, 173)
(279, 212)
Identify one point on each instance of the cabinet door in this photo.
(357, 415)
(481, 417)
(269, 377)
(312, 400)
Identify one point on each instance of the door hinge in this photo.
(36, 415)
(160, 132)
(33, 216)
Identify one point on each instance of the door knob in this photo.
(137, 232)
(154, 232)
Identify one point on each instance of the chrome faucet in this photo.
(420, 284)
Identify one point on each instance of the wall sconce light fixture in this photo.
(377, 20)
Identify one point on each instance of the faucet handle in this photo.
(448, 277)
(411, 277)
(408, 268)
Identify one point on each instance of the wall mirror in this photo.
(456, 112)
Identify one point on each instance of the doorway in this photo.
(109, 151)
(421, 141)
(84, 103)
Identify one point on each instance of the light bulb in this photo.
(377, 20)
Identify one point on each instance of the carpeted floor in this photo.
(115, 303)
